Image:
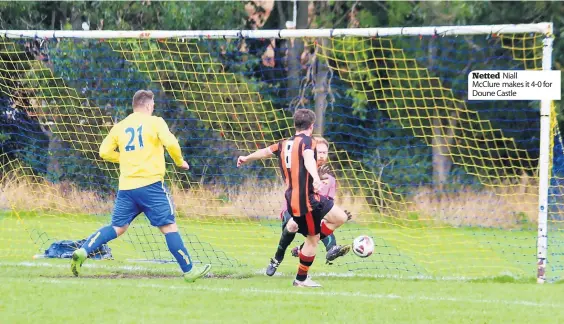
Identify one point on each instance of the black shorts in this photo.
(310, 223)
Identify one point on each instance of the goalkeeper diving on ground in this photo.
(140, 139)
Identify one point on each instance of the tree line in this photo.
(357, 121)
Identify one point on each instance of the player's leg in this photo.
(293, 228)
(157, 206)
(311, 231)
(306, 256)
(178, 250)
(289, 229)
(125, 210)
(333, 217)
(329, 242)
(322, 207)
(333, 250)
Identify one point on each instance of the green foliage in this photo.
(225, 100)
(134, 15)
(97, 61)
(426, 13)
(107, 99)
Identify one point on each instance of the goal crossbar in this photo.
(542, 28)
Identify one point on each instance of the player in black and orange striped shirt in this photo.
(298, 180)
(315, 215)
(328, 189)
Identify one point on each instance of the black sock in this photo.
(329, 242)
(286, 239)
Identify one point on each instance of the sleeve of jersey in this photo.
(275, 148)
(308, 145)
(331, 187)
(170, 142)
(108, 148)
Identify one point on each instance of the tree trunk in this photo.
(54, 149)
(76, 19)
(294, 56)
(442, 162)
(321, 89)
(442, 134)
(281, 14)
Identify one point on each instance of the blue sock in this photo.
(103, 235)
(176, 247)
(329, 242)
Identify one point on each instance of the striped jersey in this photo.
(328, 189)
(299, 183)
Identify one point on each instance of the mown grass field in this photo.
(440, 275)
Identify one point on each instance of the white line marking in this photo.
(350, 274)
(85, 265)
(301, 291)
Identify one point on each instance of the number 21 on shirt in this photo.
(132, 132)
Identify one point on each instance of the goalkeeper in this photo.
(289, 230)
(140, 139)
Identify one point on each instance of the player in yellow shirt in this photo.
(140, 139)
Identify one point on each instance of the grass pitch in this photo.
(448, 276)
(47, 293)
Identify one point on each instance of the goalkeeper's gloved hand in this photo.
(324, 172)
(349, 215)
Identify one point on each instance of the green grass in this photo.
(447, 276)
(247, 245)
(49, 294)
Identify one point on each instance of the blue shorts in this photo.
(152, 200)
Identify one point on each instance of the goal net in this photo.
(446, 187)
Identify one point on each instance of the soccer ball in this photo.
(363, 246)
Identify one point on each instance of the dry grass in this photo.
(356, 205)
(33, 193)
(254, 199)
(499, 207)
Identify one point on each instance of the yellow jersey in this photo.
(140, 139)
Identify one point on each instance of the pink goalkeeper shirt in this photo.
(328, 189)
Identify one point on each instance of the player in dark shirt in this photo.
(316, 216)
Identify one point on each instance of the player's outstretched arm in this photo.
(108, 148)
(171, 144)
(311, 167)
(257, 155)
